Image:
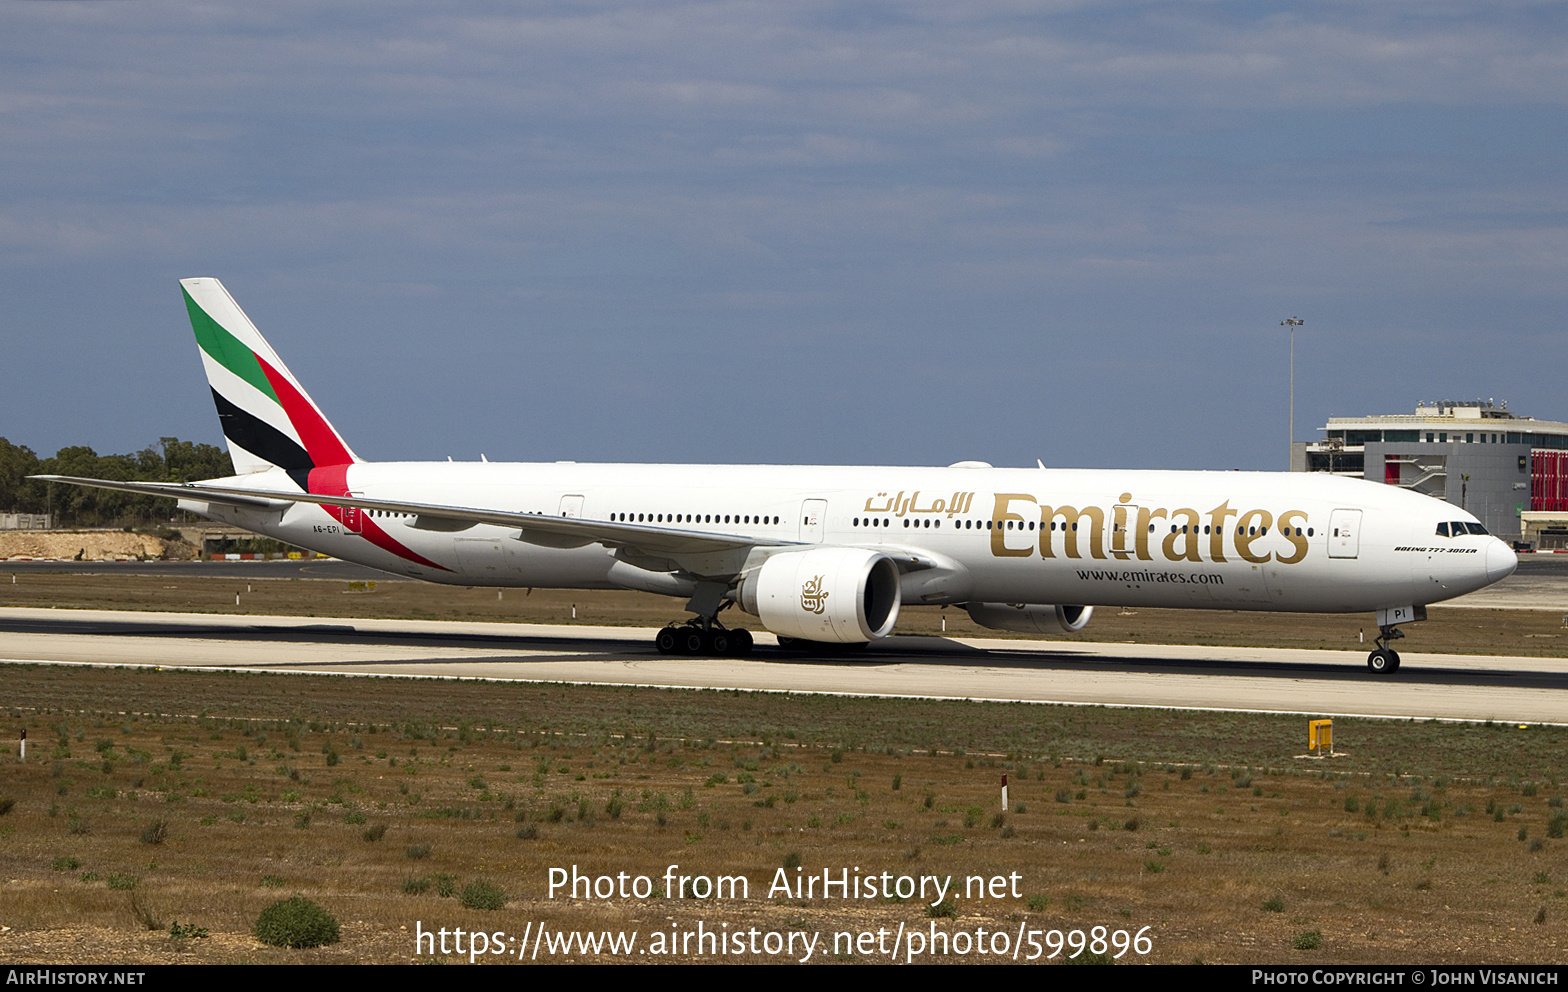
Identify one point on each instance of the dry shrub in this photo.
(296, 922)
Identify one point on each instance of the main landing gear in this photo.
(703, 634)
(697, 636)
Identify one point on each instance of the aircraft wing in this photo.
(537, 528)
(702, 552)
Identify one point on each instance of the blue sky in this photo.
(897, 233)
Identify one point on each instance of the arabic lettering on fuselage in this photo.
(898, 506)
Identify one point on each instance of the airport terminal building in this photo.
(1510, 471)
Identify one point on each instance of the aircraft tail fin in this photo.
(268, 419)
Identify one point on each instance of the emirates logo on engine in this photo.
(812, 598)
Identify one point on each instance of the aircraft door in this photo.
(1344, 533)
(572, 507)
(813, 520)
(1124, 520)
(352, 517)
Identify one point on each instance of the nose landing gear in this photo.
(1384, 660)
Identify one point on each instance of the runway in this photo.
(1541, 582)
(1318, 683)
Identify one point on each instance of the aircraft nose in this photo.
(1500, 561)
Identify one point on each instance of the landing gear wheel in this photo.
(1383, 661)
(718, 641)
(692, 641)
(667, 640)
(740, 643)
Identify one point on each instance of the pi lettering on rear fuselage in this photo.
(1022, 526)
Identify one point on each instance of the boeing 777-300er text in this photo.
(825, 553)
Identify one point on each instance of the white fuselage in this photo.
(1221, 540)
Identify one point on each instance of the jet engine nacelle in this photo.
(840, 595)
(1029, 618)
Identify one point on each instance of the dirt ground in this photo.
(89, 545)
(155, 800)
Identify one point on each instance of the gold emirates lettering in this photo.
(1083, 529)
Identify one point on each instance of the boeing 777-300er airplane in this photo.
(825, 553)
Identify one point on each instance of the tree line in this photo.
(171, 460)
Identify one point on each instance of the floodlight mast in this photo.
(1292, 323)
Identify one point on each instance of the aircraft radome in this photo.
(826, 553)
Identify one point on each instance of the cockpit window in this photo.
(1459, 528)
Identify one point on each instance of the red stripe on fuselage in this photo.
(332, 480)
(328, 480)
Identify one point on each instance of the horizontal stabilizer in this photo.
(175, 490)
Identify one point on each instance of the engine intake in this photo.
(1029, 618)
(841, 595)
